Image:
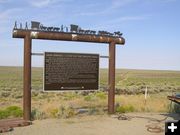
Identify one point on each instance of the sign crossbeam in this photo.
(67, 36)
(42, 54)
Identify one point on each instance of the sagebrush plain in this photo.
(130, 88)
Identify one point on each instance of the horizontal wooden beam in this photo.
(174, 99)
(7, 125)
(42, 54)
(48, 35)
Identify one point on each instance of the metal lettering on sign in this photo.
(71, 71)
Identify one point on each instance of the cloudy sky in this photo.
(151, 29)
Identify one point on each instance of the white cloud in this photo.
(91, 13)
(45, 3)
(41, 3)
(3, 1)
(166, 0)
(121, 3)
(7, 17)
(115, 4)
(106, 10)
(114, 23)
(7, 14)
(133, 18)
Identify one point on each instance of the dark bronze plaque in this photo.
(71, 71)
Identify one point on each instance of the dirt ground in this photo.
(96, 125)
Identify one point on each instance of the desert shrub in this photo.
(14, 111)
(35, 93)
(138, 83)
(54, 113)
(117, 91)
(61, 111)
(42, 95)
(175, 108)
(7, 89)
(178, 89)
(33, 114)
(89, 97)
(131, 90)
(5, 94)
(69, 112)
(84, 93)
(142, 87)
(169, 87)
(101, 95)
(93, 110)
(117, 105)
(70, 95)
(11, 111)
(3, 114)
(65, 112)
(17, 95)
(124, 109)
(130, 84)
(37, 114)
(14, 89)
(145, 109)
(161, 89)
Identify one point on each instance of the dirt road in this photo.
(94, 125)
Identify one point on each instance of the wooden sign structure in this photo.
(28, 35)
(70, 71)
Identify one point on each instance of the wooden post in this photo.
(27, 79)
(111, 81)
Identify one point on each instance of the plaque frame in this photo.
(71, 90)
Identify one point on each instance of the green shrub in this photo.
(69, 95)
(14, 111)
(89, 97)
(61, 111)
(37, 115)
(101, 95)
(11, 111)
(17, 95)
(35, 93)
(130, 84)
(69, 112)
(33, 114)
(124, 109)
(3, 114)
(5, 94)
(54, 113)
(43, 95)
(64, 112)
(176, 108)
(93, 110)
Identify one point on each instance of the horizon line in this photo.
(107, 68)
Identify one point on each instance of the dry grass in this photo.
(132, 82)
(152, 104)
(53, 107)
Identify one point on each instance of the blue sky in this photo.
(151, 29)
